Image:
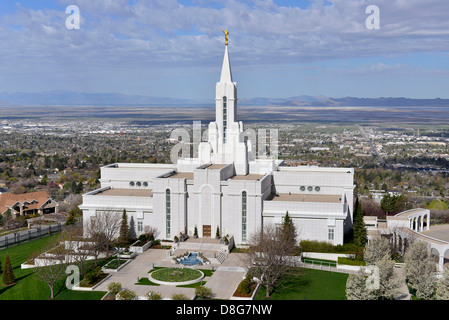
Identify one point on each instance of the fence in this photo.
(329, 266)
(19, 237)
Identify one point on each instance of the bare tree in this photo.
(151, 231)
(102, 230)
(269, 256)
(75, 243)
(52, 264)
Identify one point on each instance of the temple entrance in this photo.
(206, 231)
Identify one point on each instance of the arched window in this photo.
(167, 212)
(244, 216)
(225, 118)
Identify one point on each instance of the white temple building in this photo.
(226, 187)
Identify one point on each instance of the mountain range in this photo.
(68, 98)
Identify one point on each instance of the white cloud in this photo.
(145, 35)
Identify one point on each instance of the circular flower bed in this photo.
(176, 276)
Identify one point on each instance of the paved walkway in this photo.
(439, 231)
(404, 293)
(223, 282)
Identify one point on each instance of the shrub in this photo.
(351, 262)
(245, 286)
(93, 275)
(152, 295)
(115, 287)
(179, 296)
(326, 247)
(127, 294)
(203, 292)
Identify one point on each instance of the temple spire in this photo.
(226, 74)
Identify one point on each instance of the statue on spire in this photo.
(226, 32)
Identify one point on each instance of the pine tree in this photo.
(125, 234)
(360, 235)
(8, 275)
(71, 218)
(289, 231)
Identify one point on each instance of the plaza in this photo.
(223, 282)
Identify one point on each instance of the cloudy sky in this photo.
(278, 48)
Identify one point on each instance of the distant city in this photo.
(410, 159)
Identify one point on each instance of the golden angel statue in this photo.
(226, 32)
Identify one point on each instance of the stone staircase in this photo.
(222, 256)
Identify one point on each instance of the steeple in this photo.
(226, 142)
(226, 74)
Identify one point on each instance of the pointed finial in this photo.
(226, 32)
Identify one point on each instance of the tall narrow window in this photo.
(168, 212)
(225, 118)
(244, 216)
(330, 234)
(139, 226)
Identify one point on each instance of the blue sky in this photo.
(278, 48)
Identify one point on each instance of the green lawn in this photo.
(175, 274)
(309, 284)
(28, 286)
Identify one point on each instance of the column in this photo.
(441, 262)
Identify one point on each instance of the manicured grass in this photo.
(114, 264)
(193, 285)
(28, 286)
(176, 274)
(146, 282)
(309, 284)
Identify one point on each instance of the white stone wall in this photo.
(312, 229)
(121, 174)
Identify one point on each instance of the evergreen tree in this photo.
(71, 218)
(125, 233)
(360, 236)
(8, 275)
(288, 231)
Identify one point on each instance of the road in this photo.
(368, 139)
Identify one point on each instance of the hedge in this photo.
(351, 262)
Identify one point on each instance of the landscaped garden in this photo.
(176, 274)
(27, 285)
